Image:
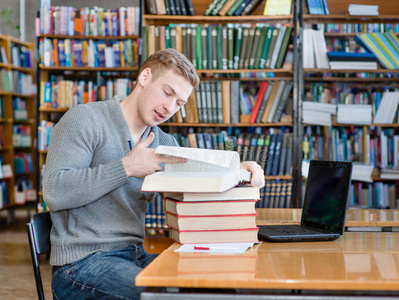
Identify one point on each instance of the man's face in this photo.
(162, 98)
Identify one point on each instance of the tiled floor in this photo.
(16, 273)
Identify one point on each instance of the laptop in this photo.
(324, 207)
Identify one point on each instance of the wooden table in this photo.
(357, 261)
(356, 219)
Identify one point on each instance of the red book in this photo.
(214, 236)
(258, 102)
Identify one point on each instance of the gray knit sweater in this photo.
(93, 204)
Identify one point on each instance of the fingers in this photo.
(172, 160)
(257, 174)
(147, 141)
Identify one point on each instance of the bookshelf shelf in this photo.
(315, 19)
(161, 19)
(79, 37)
(46, 109)
(17, 91)
(124, 69)
(278, 71)
(280, 124)
(347, 79)
(378, 71)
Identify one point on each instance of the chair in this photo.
(39, 242)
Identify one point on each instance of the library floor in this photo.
(16, 273)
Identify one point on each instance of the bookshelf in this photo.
(93, 60)
(17, 123)
(357, 141)
(238, 129)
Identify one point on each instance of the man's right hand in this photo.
(143, 161)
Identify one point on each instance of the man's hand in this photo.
(257, 173)
(143, 161)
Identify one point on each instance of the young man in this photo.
(98, 155)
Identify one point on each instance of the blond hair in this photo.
(167, 59)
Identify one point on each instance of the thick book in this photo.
(210, 208)
(216, 170)
(214, 236)
(211, 222)
(243, 192)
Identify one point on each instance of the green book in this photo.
(218, 7)
(255, 46)
(250, 46)
(198, 47)
(224, 47)
(259, 49)
(237, 48)
(193, 45)
(167, 37)
(209, 47)
(271, 47)
(211, 7)
(129, 48)
(244, 44)
(172, 36)
(230, 46)
(184, 41)
(283, 48)
(144, 55)
(265, 50)
(219, 46)
(234, 7)
(214, 48)
(204, 48)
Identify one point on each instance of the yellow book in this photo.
(122, 53)
(370, 44)
(384, 48)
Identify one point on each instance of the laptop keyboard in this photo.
(291, 229)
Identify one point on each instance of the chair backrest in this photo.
(39, 241)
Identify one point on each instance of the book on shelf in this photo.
(354, 114)
(217, 170)
(237, 193)
(96, 21)
(317, 7)
(352, 61)
(387, 109)
(362, 10)
(277, 7)
(383, 46)
(214, 236)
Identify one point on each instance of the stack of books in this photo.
(352, 61)
(214, 217)
(204, 199)
(362, 10)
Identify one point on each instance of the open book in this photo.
(206, 171)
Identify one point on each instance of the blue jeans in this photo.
(102, 275)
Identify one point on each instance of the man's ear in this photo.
(145, 76)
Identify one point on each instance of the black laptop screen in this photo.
(326, 195)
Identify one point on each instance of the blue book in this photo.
(392, 51)
(345, 56)
(270, 156)
(95, 54)
(369, 44)
(61, 53)
(241, 8)
(101, 53)
(325, 6)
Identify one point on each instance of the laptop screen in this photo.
(326, 195)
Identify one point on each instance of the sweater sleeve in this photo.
(70, 181)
